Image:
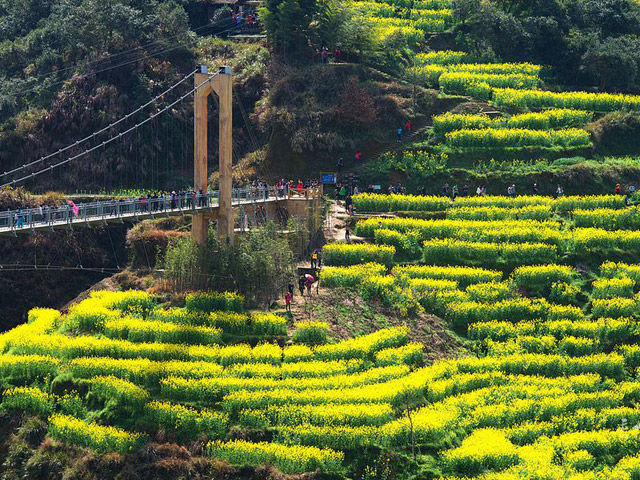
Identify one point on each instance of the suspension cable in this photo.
(102, 130)
(130, 50)
(128, 62)
(108, 141)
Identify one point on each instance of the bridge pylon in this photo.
(222, 85)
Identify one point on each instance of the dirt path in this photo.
(334, 226)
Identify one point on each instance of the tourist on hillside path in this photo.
(343, 193)
(559, 191)
(399, 132)
(339, 165)
(535, 188)
(287, 301)
(314, 259)
(445, 190)
(357, 156)
(454, 192)
(336, 55)
(348, 203)
(618, 189)
(290, 288)
(347, 235)
(407, 127)
(309, 281)
(301, 282)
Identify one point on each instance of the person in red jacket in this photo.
(287, 300)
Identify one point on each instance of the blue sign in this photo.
(328, 178)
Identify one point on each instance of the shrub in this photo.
(613, 287)
(537, 279)
(614, 307)
(289, 459)
(99, 438)
(343, 255)
(365, 346)
(407, 245)
(513, 310)
(122, 391)
(311, 333)
(350, 276)
(518, 138)
(214, 301)
(28, 399)
(448, 251)
(463, 276)
(545, 120)
(187, 422)
(489, 292)
(593, 102)
(484, 449)
(410, 354)
(563, 293)
(373, 202)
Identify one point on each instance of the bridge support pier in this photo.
(220, 84)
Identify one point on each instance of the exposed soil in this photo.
(349, 315)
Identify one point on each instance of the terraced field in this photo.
(548, 388)
(549, 391)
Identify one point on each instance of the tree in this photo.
(258, 266)
(288, 23)
(613, 62)
(465, 9)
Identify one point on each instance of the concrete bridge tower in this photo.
(222, 85)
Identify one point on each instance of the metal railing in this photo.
(134, 208)
(131, 208)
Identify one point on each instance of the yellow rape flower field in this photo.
(545, 387)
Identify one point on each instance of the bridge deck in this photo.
(133, 210)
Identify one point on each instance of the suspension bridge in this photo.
(245, 200)
(203, 207)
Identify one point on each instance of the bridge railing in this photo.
(39, 217)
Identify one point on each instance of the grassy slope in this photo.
(350, 315)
